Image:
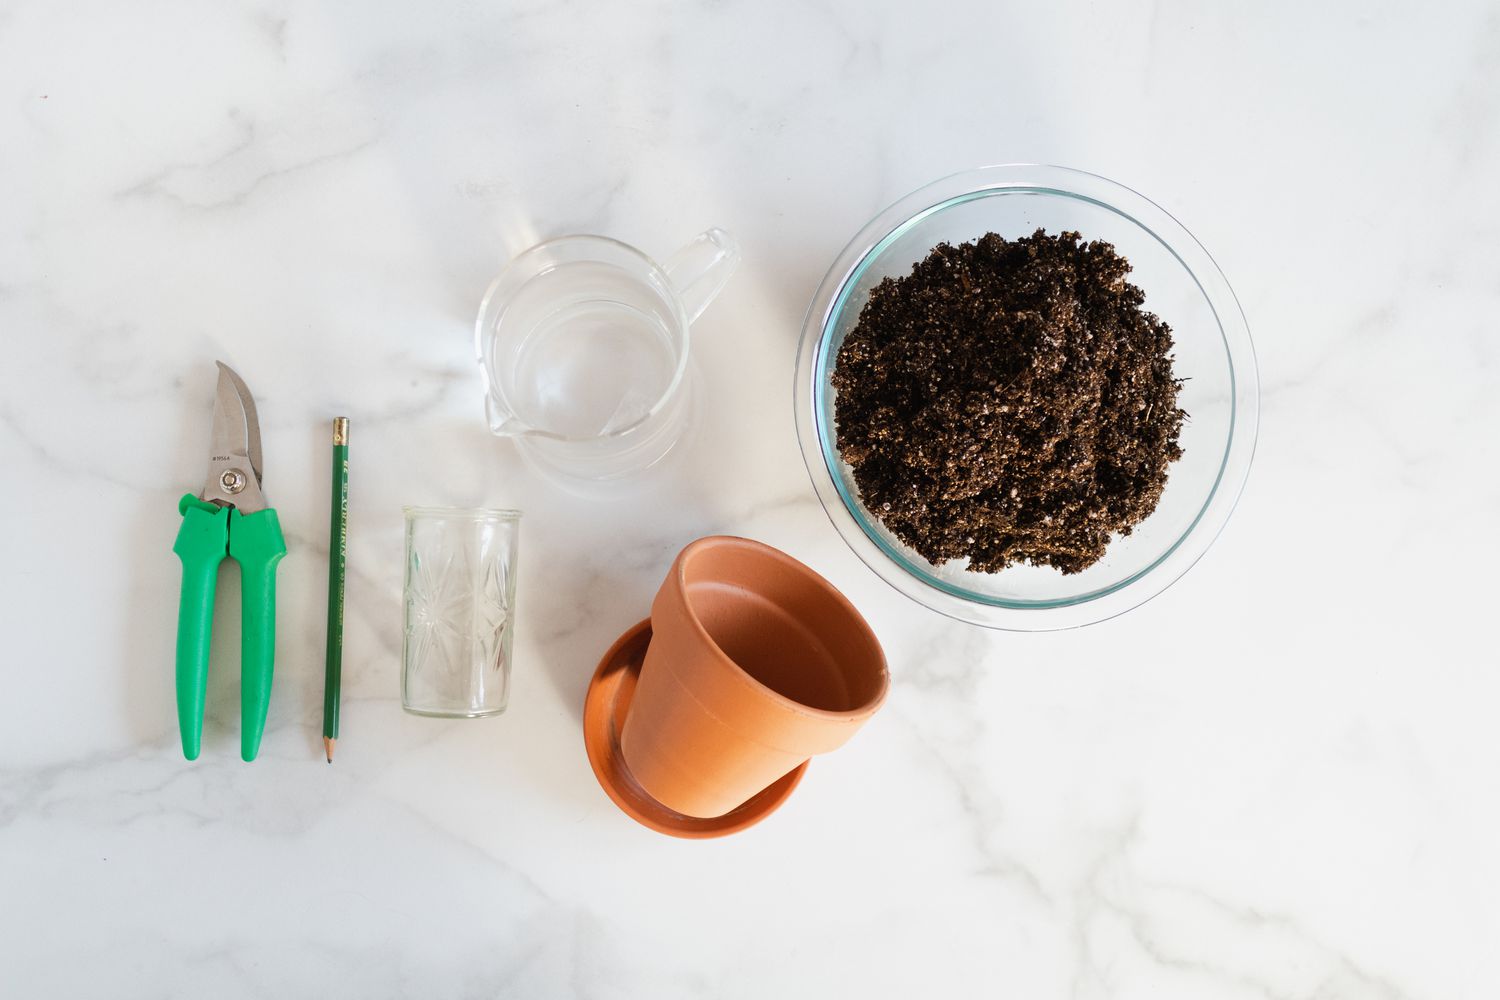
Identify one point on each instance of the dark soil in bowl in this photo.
(1009, 401)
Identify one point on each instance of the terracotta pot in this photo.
(756, 663)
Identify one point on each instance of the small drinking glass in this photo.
(460, 611)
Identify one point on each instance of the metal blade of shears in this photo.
(234, 466)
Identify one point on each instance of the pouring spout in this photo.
(502, 422)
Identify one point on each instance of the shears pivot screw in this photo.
(233, 480)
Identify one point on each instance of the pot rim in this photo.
(850, 716)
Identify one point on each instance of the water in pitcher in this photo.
(596, 358)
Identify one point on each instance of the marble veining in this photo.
(1276, 781)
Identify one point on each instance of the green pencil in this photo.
(338, 538)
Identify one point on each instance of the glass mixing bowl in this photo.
(1213, 355)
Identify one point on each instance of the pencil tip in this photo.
(328, 747)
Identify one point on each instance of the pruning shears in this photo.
(229, 517)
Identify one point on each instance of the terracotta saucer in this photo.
(604, 710)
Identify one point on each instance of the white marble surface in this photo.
(1278, 780)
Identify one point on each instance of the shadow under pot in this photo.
(754, 664)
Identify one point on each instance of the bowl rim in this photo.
(810, 399)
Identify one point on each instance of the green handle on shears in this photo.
(201, 543)
(255, 543)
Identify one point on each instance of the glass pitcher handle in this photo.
(699, 270)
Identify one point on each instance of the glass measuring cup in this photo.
(584, 345)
